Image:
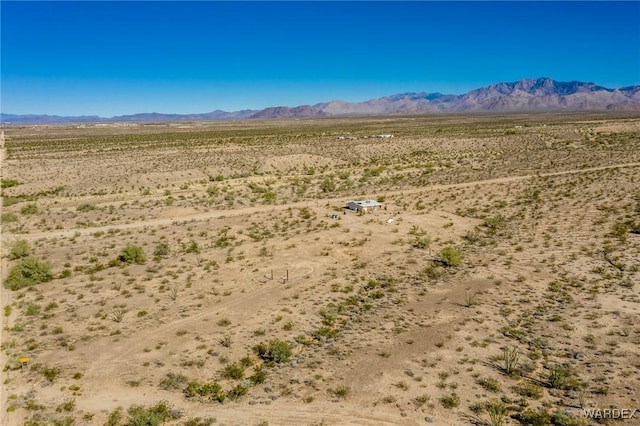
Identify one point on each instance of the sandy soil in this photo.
(234, 220)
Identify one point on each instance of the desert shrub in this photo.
(237, 392)
(30, 208)
(8, 217)
(469, 299)
(162, 250)
(211, 391)
(193, 247)
(529, 390)
(530, 417)
(63, 421)
(19, 249)
(224, 322)
(422, 242)
(305, 213)
(233, 371)
(51, 373)
(434, 271)
(324, 333)
(510, 359)
(619, 230)
(198, 421)
(68, 405)
(561, 377)
(269, 196)
(472, 237)
(276, 351)
(634, 227)
(173, 381)
(450, 401)
(226, 340)
(328, 185)
(246, 361)
(258, 376)
(115, 418)
(32, 309)
(450, 256)
(562, 418)
(85, 207)
(155, 415)
(496, 411)
(342, 391)
(29, 271)
(494, 224)
(132, 254)
(489, 383)
(8, 183)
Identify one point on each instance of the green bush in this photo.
(494, 224)
(233, 371)
(155, 415)
(19, 249)
(529, 390)
(237, 392)
(489, 383)
(51, 373)
(450, 401)
(29, 271)
(30, 208)
(328, 185)
(85, 207)
(132, 254)
(422, 242)
(534, 418)
(269, 196)
(8, 217)
(32, 309)
(258, 376)
(209, 391)
(450, 256)
(193, 247)
(8, 183)
(276, 351)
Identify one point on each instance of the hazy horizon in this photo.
(118, 58)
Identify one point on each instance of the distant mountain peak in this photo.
(527, 94)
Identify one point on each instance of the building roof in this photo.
(366, 203)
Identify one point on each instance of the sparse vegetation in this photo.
(260, 287)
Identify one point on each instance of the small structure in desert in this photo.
(366, 206)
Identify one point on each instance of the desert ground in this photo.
(207, 273)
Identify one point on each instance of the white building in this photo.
(367, 206)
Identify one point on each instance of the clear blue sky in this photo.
(112, 58)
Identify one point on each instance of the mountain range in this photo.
(527, 95)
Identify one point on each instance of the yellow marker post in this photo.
(24, 362)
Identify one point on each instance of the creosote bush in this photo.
(29, 271)
(211, 391)
(19, 250)
(276, 351)
(132, 254)
(450, 256)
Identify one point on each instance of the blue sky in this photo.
(112, 58)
